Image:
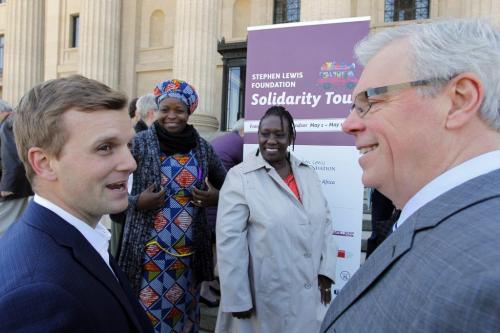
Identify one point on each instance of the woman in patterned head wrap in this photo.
(166, 250)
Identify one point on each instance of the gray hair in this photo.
(145, 103)
(443, 49)
(4, 106)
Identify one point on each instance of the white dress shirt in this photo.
(98, 237)
(454, 177)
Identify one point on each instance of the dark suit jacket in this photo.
(13, 178)
(438, 272)
(52, 280)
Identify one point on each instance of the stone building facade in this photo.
(133, 44)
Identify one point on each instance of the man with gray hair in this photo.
(146, 108)
(426, 120)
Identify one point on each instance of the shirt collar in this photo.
(458, 175)
(98, 237)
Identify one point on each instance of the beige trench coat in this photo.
(271, 248)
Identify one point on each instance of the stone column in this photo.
(314, 10)
(100, 40)
(23, 48)
(195, 56)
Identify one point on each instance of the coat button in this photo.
(307, 285)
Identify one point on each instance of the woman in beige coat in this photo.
(275, 248)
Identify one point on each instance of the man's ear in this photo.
(466, 93)
(40, 161)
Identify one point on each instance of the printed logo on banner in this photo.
(333, 74)
(343, 233)
(345, 275)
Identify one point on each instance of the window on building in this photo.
(156, 28)
(75, 31)
(1, 53)
(286, 11)
(404, 10)
(233, 82)
(235, 95)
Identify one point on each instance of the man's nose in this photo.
(128, 162)
(352, 124)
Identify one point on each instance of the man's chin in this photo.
(369, 181)
(118, 207)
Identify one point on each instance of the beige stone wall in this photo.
(314, 10)
(147, 46)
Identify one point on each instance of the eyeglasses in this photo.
(362, 105)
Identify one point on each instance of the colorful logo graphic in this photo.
(337, 74)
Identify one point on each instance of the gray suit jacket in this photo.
(439, 272)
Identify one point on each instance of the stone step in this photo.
(208, 317)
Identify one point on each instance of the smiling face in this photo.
(399, 137)
(172, 115)
(274, 139)
(91, 173)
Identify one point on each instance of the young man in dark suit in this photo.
(56, 275)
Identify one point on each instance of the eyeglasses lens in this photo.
(360, 105)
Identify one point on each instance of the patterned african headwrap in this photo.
(177, 89)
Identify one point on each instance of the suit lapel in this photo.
(388, 252)
(93, 262)
(397, 244)
(67, 235)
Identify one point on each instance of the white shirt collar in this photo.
(458, 175)
(98, 237)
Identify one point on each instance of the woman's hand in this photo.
(243, 314)
(325, 288)
(208, 198)
(149, 199)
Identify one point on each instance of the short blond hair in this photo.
(37, 118)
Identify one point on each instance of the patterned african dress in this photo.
(167, 292)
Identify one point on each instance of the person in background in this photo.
(427, 123)
(132, 111)
(275, 249)
(15, 189)
(56, 275)
(5, 112)
(146, 109)
(382, 211)
(229, 148)
(167, 247)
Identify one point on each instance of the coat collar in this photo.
(397, 244)
(66, 235)
(253, 163)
